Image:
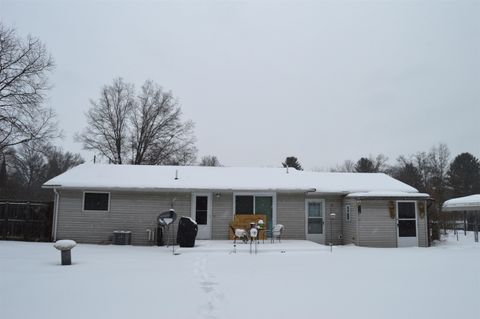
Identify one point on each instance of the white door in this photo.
(202, 214)
(315, 220)
(407, 234)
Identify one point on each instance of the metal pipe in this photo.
(55, 212)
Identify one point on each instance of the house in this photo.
(371, 209)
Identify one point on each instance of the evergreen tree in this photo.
(292, 161)
(408, 173)
(365, 165)
(464, 175)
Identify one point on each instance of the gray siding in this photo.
(333, 228)
(222, 212)
(137, 212)
(350, 227)
(422, 227)
(133, 211)
(375, 226)
(291, 214)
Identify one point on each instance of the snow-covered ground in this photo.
(292, 279)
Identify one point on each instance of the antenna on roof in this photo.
(176, 174)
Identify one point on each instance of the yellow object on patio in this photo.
(244, 221)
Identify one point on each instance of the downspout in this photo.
(55, 213)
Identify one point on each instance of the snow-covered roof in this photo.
(144, 177)
(471, 202)
(387, 194)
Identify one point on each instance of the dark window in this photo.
(96, 201)
(201, 210)
(406, 210)
(243, 204)
(315, 218)
(315, 226)
(407, 228)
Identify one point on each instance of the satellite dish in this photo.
(166, 218)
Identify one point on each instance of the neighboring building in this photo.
(372, 209)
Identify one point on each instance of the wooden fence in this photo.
(27, 221)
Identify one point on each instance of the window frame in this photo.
(417, 236)
(348, 213)
(255, 194)
(207, 211)
(96, 210)
(320, 201)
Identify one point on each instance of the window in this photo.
(315, 217)
(201, 210)
(244, 205)
(96, 201)
(406, 210)
(255, 204)
(407, 224)
(347, 213)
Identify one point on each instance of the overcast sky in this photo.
(321, 80)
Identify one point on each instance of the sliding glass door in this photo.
(255, 204)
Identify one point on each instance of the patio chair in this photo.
(239, 233)
(277, 232)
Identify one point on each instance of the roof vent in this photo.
(176, 174)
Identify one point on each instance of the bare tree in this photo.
(348, 166)
(407, 172)
(439, 160)
(209, 160)
(28, 166)
(32, 165)
(381, 163)
(57, 161)
(159, 136)
(143, 129)
(24, 68)
(107, 130)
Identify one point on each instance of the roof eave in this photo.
(186, 190)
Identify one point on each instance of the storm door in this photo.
(407, 223)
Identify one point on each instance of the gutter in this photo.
(182, 190)
(55, 213)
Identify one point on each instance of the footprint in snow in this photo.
(210, 309)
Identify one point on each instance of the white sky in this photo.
(321, 80)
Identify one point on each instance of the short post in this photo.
(66, 257)
(65, 246)
(253, 237)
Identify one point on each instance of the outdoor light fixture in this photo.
(217, 195)
(421, 209)
(391, 209)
